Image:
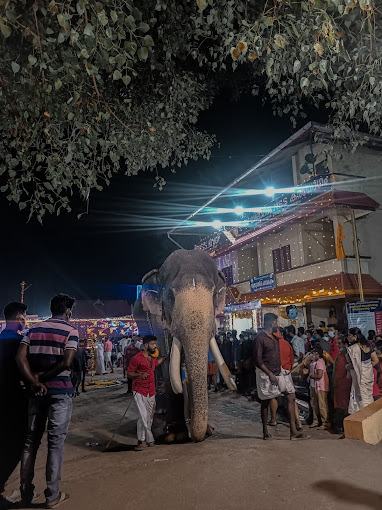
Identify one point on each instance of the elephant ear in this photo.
(221, 289)
(152, 293)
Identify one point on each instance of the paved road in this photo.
(234, 469)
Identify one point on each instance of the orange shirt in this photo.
(286, 354)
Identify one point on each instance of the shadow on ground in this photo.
(351, 494)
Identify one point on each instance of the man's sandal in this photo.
(62, 497)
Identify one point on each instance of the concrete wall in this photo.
(365, 162)
(291, 235)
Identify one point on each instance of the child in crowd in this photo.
(320, 378)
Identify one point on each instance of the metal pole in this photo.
(356, 253)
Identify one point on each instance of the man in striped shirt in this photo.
(44, 359)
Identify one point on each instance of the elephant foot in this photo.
(210, 430)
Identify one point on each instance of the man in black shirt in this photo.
(13, 401)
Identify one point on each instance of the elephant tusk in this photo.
(176, 381)
(224, 370)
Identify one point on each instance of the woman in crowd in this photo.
(319, 376)
(341, 384)
(362, 360)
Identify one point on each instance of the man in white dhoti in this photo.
(141, 370)
(100, 360)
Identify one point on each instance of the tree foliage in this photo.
(89, 88)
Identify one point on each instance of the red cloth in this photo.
(286, 354)
(108, 347)
(380, 378)
(334, 350)
(341, 383)
(142, 365)
(375, 385)
(130, 352)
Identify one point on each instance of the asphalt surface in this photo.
(233, 469)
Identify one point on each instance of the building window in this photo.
(281, 259)
(247, 261)
(228, 274)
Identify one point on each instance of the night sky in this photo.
(102, 254)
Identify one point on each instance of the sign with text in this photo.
(241, 307)
(365, 315)
(264, 282)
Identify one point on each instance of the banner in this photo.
(264, 282)
(241, 307)
(365, 315)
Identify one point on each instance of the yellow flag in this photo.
(340, 252)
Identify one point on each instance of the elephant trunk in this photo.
(193, 324)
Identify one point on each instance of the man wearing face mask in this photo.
(333, 337)
(44, 358)
(13, 400)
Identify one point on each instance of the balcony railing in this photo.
(312, 272)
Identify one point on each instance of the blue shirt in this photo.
(9, 372)
(298, 346)
(210, 357)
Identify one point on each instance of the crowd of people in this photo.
(342, 370)
(42, 370)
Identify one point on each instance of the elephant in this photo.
(185, 295)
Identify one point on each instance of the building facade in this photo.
(288, 254)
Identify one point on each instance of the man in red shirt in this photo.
(333, 336)
(141, 370)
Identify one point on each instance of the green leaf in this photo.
(268, 21)
(89, 30)
(296, 66)
(15, 67)
(296, 33)
(114, 16)
(102, 18)
(117, 75)
(202, 4)
(32, 60)
(126, 79)
(22, 205)
(70, 116)
(372, 81)
(57, 84)
(143, 53)
(144, 27)
(131, 47)
(280, 41)
(304, 83)
(323, 65)
(130, 22)
(148, 41)
(84, 53)
(137, 14)
(5, 30)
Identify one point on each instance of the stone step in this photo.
(365, 424)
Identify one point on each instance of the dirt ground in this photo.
(234, 469)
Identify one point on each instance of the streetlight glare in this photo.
(217, 224)
(239, 210)
(270, 191)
